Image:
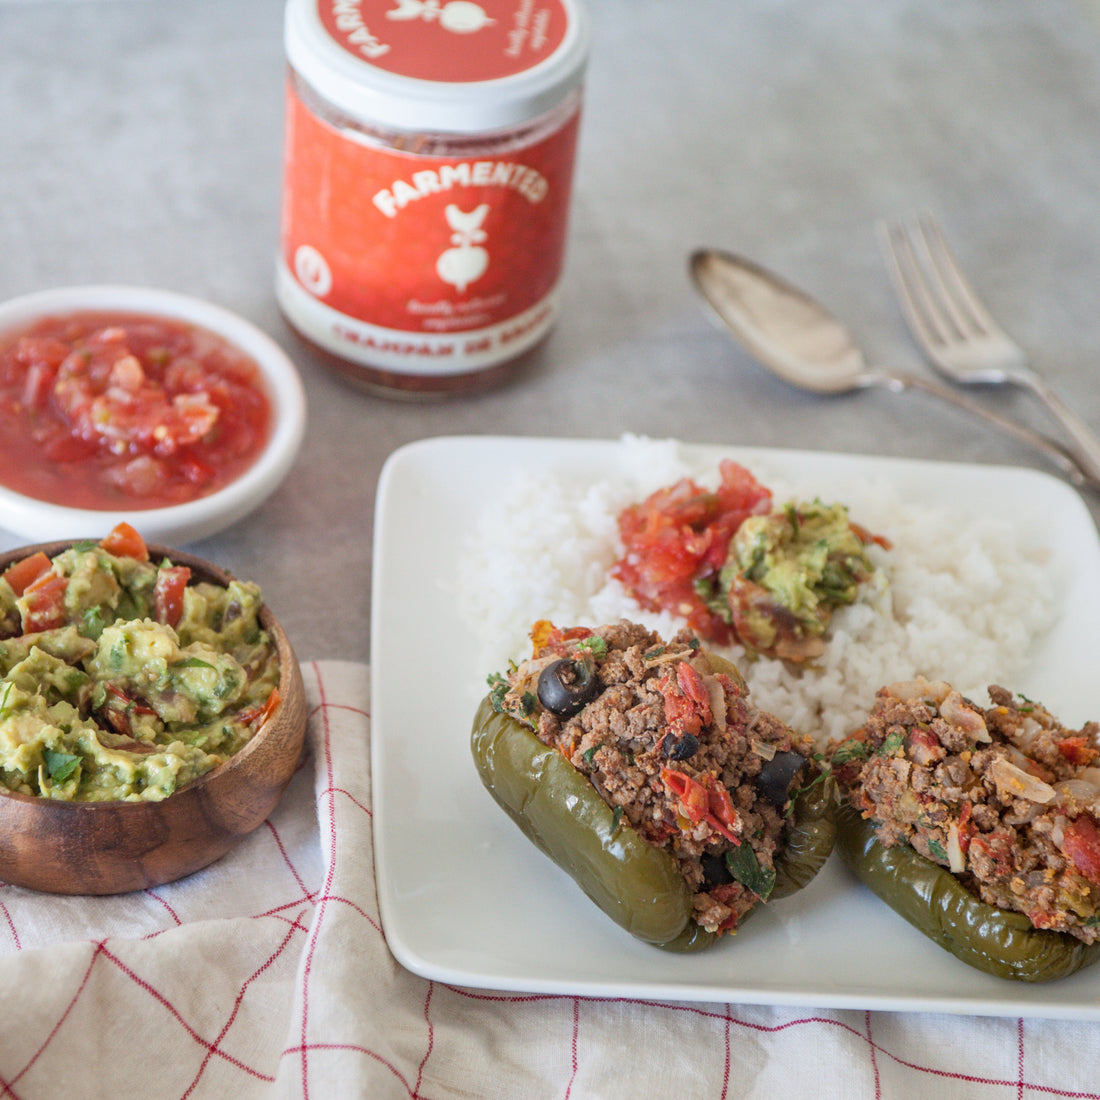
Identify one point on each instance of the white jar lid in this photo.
(439, 66)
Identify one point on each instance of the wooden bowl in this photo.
(113, 847)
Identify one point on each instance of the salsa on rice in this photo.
(738, 569)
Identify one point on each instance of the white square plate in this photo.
(464, 896)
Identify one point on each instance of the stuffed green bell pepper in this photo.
(641, 768)
(978, 826)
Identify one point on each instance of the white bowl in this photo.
(42, 521)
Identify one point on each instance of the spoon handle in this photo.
(899, 381)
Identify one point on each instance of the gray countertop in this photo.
(140, 141)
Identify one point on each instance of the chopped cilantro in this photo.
(819, 778)
(588, 754)
(498, 688)
(937, 849)
(595, 645)
(92, 622)
(891, 744)
(60, 765)
(712, 596)
(193, 662)
(849, 751)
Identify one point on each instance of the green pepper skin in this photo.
(638, 885)
(930, 898)
(810, 838)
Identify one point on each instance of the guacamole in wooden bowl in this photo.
(151, 713)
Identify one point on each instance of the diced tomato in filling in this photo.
(967, 828)
(704, 799)
(924, 746)
(722, 815)
(679, 536)
(1077, 750)
(548, 638)
(687, 704)
(728, 894)
(692, 794)
(1081, 843)
(997, 848)
(1043, 919)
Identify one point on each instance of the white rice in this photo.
(960, 598)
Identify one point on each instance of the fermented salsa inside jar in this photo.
(115, 410)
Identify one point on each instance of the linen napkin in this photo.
(267, 975)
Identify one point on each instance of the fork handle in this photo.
(1085, 447)
(1067, 462)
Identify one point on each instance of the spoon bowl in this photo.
(780, 325)
(798, 339)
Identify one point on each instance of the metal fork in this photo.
(957, 333)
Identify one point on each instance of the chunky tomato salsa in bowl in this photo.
(139, 405)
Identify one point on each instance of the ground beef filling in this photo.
(1006, 797)
(668, 736)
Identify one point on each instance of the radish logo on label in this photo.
(312, 270)
(467, 261)
(458, 16)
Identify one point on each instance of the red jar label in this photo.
(418, 38)
(427, 263)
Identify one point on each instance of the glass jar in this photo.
(428, 167)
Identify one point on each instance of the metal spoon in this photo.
(804, 344)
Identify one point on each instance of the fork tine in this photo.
(956, 293)
(921, 309)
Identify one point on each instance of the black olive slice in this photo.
(715, 871)
(683, 747)
(774, 780)
(566, 686)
